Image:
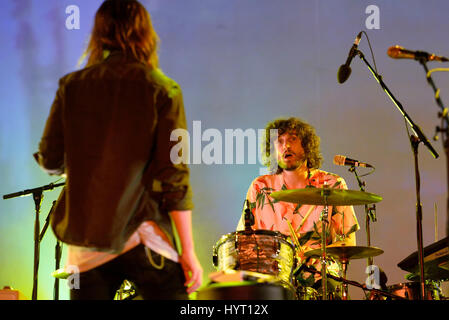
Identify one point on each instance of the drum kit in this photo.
(250, 263)
(263, 264)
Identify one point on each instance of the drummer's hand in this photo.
(304, 249)
(193, 271)
(300, 253)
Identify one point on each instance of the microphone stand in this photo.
(37, 197)
(58, 251)
(370, 214)
(415, 141)
(444, 129)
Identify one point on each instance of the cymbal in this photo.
(61, 274)
(343, 252)
(335, 197)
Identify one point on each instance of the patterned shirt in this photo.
(305, 220)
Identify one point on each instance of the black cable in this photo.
(371, 49)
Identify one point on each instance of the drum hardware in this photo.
(345, 253)
(356, 284)
(126, 291)
(326, 197)
(307, 293)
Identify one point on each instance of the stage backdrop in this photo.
(241, 64)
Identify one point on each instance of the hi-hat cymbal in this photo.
(61, 274)
(343, 252)
(326, 196)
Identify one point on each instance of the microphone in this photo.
(398, 52)
(345, 70)
(344, 161)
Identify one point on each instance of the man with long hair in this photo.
(294, 159)
(125, 211)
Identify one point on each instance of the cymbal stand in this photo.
(345, 263)
(324, 221)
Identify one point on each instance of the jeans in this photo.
(102, 282)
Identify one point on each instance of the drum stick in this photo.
(305, 217)
(294, 237)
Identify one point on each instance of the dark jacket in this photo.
(109, 129)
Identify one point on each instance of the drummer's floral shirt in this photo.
(273, 215)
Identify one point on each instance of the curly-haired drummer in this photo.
(295, 159)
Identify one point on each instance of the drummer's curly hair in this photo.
(305, 132)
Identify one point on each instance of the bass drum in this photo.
(247, 290)
(263, 251)
(307, 293)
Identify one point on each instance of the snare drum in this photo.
(262, 251)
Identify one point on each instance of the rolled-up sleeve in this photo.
(171, 179)
(51, 146)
